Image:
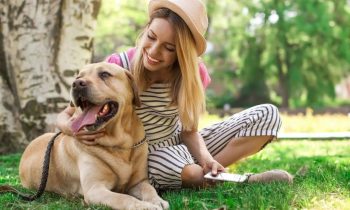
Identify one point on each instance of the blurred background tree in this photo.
(291, 53)
(119, 24)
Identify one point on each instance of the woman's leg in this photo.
(243, 134)
(238, 148)
(165, 167)
(241, 147)
(192, 176)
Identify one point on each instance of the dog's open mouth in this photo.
(93, 116)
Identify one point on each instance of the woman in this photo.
(171, 80)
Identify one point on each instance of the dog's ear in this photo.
(136, 101)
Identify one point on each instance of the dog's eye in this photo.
(104, 74)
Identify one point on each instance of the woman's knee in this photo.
(273, 111)
(192, 175)
(268, 117)
(270, 109)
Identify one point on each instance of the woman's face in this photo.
(158, 47)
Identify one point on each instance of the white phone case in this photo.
(227, 177)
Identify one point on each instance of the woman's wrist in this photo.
(63, 120)
(205, 160)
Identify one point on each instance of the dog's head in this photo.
(101, 90)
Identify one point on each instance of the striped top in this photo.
(160, 120)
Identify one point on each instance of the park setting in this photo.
(292, 54)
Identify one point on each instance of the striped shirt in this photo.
(159, 118)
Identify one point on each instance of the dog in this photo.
(113, 172)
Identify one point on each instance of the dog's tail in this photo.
(44, 176)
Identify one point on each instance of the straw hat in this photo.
(194, 14)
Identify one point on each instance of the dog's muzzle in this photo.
(79, 91)
(93, 115)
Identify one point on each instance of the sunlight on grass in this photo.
(291, 149)
(330, 201)
(209, 119)
(326, 182)
(315, 123)
(298, 123)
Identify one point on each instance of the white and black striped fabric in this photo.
(166, 164)
(168, 156)
(160, 120)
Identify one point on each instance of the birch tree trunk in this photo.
(42, 46)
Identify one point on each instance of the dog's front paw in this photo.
(144, 205)
(160, 202)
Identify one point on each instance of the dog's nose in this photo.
(79, 83)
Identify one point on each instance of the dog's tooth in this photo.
(104, 110)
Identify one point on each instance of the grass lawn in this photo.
(326, 184)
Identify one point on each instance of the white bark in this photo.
(75, 47)
(10, 126)
(43, 43)
(29, 47)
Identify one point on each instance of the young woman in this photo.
(171, 80)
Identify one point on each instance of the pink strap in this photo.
(204, 75)
(114, 58)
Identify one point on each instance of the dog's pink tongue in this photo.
(88, 117)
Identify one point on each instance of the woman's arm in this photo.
(195, 144)
(64, 119)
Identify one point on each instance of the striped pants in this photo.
(165, 164)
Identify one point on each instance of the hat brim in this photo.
(200, 41)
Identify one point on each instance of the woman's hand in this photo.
(211, 165)
(89, 137)
(64, 123)
(195, 144)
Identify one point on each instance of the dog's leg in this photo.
(99, 194)
(146, 192)
(97, 185)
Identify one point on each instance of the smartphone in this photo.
(227, 177)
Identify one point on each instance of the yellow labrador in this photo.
(113, 172)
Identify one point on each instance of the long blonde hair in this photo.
(186, 85)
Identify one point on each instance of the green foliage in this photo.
(291, 52)
(118, 25)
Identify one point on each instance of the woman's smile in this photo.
(152, 61)
(158, 46)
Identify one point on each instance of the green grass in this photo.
(326, 184)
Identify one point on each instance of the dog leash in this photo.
(44, 176)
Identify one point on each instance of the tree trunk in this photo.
(42, 46)
(283, 83)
